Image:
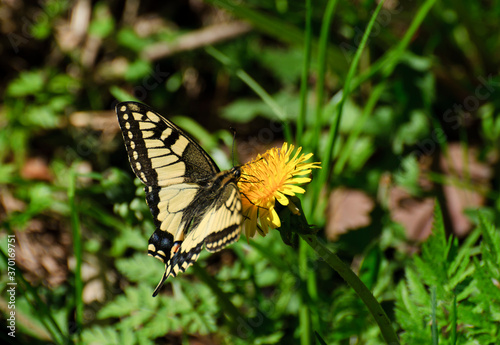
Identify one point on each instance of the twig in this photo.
(196, 39)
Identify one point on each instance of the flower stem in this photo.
(353, 280)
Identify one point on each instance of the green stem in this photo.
(304, 76)
(77, 249)
(259, 90)
(304, 313)
(353, 280)
(333, 134)
(322, 53)
(434, 329)
(388, 62)
(347, 149)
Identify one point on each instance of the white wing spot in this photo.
(143, 176)
(138, 165)
(147, 134)
(127, 125)
(146, 125)
(133, 107)
(157, 162)
(166, 133)
(130, 135)
(153, 117)
(136, 155)
(132, 145)
(137, 116)
(125, 115)
(180, 145)
(123, 108)
(160, 152)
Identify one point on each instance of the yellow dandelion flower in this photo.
(275, 175)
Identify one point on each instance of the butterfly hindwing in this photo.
(219, 227)
(226, 220)
(192, 202)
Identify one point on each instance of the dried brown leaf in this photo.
(348, 209)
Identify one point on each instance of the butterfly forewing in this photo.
(161, 153)
(192, 202)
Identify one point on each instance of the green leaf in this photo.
(361, 151)
(133, 268)
(101, 336)
(122, 95)
(490, 247)
(408, 175)
(207, 140)
(127, 238)
(128, 38)
(27, 83)
(284, 64)
(102, 24)
(138, 70)
(7, 173)
(411, 132)
(40, 116)
(244, 110)
(135, 299)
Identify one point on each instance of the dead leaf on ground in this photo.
(415, 215)
(465, 179)
(42, 252)
(348, 209)
(36, 168)
(8, 203)
(464, 171)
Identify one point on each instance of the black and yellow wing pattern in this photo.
(193, 203)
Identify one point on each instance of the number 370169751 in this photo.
(11, 253)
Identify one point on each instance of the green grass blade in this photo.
(320, 84)
(281, 30)
(357, 285)
(266, 23)
(388, 62)
(405, 41)
(40, 309)
(453, 317)
(354, 135)
(247, 79)
(77, 248)
(304, 75)
(435, 340)
(305, 311)
(328, 156)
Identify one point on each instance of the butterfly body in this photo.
(193, 203)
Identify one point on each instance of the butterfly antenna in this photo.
(234, 140)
